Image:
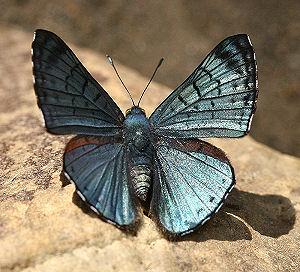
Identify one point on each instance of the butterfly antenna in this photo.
(112, 63)
(160, 62)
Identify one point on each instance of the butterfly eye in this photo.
(127, 111)
(143, 111)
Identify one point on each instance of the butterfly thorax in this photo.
(137, 138)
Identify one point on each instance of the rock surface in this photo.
(44, 226)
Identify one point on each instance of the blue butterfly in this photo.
(120, 164)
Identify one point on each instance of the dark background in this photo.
(139, 33)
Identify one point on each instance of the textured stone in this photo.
(44, 226)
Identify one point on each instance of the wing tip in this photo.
(38, 31)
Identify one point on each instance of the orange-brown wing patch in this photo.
(86, 140)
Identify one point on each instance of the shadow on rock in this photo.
(63, 179)
(270, 215)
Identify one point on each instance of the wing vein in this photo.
(188, 184)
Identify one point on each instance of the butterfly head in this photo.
(135, 111)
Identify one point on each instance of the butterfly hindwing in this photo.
(192, 179)
(217, 100)
(97, 166)
(71, 100)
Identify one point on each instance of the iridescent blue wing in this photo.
(71, 100)
(217, 100)
(97, 166)
(192, 179)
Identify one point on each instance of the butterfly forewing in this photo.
(71, 100)
(192, 180)
(97, 166)
(217, 100)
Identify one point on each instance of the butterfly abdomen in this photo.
(141, 179)
(137, 137)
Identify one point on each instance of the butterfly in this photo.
(120, 164)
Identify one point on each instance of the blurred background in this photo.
(139, 33)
